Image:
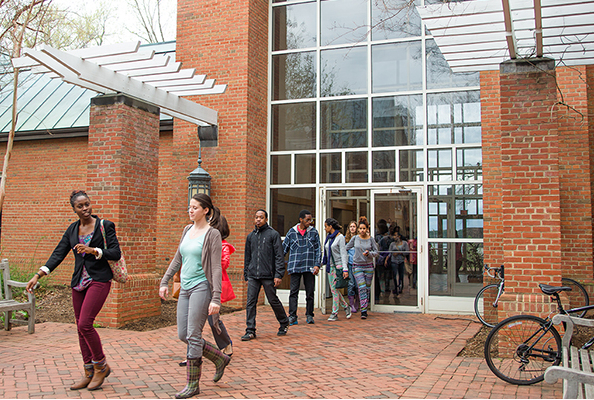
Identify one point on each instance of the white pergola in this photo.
(480, 34)
(127, 69)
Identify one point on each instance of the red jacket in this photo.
(227, 290)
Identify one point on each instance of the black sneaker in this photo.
(248, 336)
(363, 314)
(282, 331)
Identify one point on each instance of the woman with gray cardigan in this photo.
(199, 257)
(336, 260)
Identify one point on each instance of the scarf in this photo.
(330, 238)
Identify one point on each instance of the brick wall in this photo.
(122, 179)
(236, 54)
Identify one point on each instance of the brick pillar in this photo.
(530, 184)
(122, 182)
(237, 56)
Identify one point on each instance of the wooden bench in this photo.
(576, 370)
(8, 305)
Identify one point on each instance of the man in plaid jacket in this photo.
(302, 242)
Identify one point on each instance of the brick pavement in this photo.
(386, 356)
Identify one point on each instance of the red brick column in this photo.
(122, 182)
(530, 183)
(235, 54)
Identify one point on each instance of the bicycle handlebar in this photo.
(497, 271)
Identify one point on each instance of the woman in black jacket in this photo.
(90, 283)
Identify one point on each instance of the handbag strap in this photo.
(103, 233)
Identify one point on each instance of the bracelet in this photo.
(38, 276)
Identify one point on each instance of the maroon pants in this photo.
(87, 305)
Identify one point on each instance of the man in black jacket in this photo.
(264, 265)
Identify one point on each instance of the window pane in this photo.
(398, 121)
(280, 172)
(356, 167)
(411, 165)
(439, 164)
(294, 76)
(454, 117)
(293, 126)
(294, 26)
(305, 168)
(343, 21)
(344, 71)
(439, 74)
(397, 67)
(469, 211)
(286, 205)
(384, 166)
(395, 19)
(344, 124)
(331, 168)
(469, 164)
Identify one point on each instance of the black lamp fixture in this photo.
(199, 179)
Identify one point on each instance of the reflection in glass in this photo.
(294, 76)
(439, 73)
(343, 21)
(294, 26)
(396, 67)
(344, 71)
(395, 19)
(469, 164)
(305, 168)
(356, 167)
(455, 269)
(411, 165)
(330, 168)
(454, 117)
(439, 163)
(384, 166)
(398, 121)
(293, 126)
(286, 205)
(466, 217)
(280, 172)
(344, 124)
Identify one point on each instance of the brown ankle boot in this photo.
(84, 382)
(101, 371)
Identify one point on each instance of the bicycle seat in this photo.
(551, 290)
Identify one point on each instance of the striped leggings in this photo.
(337, 299)
(363, 275)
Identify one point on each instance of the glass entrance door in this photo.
(400, 270)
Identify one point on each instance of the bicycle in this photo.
(487, 299)
(520, 348)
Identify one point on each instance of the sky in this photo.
(123, 17)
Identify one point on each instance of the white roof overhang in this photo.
(122, 68)
(478, 35)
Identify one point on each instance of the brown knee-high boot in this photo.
(84, 382)
(194, 369)
(220, 359)
(101, 371)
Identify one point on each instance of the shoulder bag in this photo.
(120, 273)
(340, 282)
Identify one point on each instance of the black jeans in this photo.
(309, 281)
(252, 300)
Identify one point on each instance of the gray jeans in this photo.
(192, 314)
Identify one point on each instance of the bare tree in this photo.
(149, 14)
(27, 23)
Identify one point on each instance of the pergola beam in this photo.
(510, 37)
(538, 26)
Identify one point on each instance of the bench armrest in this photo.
(16, 283)
(569, 324)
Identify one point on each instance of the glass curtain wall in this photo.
(361, 96)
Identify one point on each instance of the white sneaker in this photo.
(333, 317)
(347, 310)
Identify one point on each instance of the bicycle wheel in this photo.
(578, 297)
(484, 307)
(520, 348)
